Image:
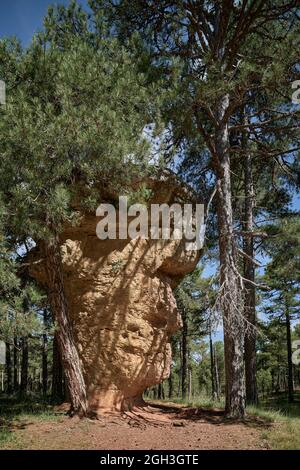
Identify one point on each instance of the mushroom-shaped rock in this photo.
(121, 306)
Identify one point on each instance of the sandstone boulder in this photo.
(121, 306)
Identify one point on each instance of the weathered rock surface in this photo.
(122, 307)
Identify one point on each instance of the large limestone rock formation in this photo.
(122, 306)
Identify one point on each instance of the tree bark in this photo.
(170, 382)
(24, 367)
(289, 355)
(171, 377)
(57, 373)
(249, 296)
(45, 357)
(217, 378)
(230, 282)
(16, 382)
(190, 388)
(24, 346)
(184, 354)
(179, 387)
(69, 354)
(212, 368)
(8, 369)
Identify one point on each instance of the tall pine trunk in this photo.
(170, 382)
(217, 378)
(45, 356)
(8, 368)
(184, 354)
(57, 373)
(289, 355)
(24, 346)
(190, 387)
(212, 368)
(24, 367)
(69, 354)
(249, 296)
(170, 379)
(229, 279)
(16, 382)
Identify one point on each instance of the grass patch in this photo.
(285, 434)
(200, 402)
(5, 432)
(284, 418)
(267, 415)
(14, 414)
(197, 402)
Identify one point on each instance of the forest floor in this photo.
(159, 426)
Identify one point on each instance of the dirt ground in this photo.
(156, 427)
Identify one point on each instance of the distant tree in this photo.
(282, 275)
(195, 299)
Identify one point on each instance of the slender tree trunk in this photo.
(284, 383)
(24, 346)
(217, 374)
(249, 273)
(16, 382)
(179, 387)
(69, 354)
(296, 381)
(170, 379)
(289, 356)
(170, 382)
(272, 381)
(161, 391)
(57, 391)
(277, 390)
(190, 390)
(230, 282)
(184, 354)
(45, 357)
(57, 372)
(8, 368)
(24, 367)
(212, 368)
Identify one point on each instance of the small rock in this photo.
(178, 423)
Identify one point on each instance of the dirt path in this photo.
(157, 427)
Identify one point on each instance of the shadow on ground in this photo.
(215, 416)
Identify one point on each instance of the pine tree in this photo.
(282, 276)
(195, 297)
(216, 48)
(73, 118)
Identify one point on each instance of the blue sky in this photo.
(22, 18)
